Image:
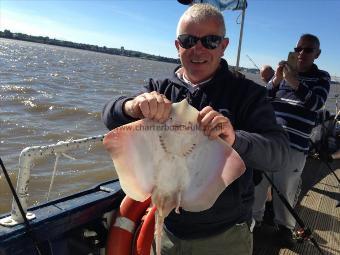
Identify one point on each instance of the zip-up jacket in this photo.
(260, 141)
(296, 110)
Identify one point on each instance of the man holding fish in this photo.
(231, 108)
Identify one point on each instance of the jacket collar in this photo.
(178, 76)
(313, 69)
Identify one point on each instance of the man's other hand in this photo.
(214, 125)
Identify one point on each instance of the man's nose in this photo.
(302, 51)
(199, 45)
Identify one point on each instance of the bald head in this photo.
(266, 73)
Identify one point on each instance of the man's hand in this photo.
(278, 76)
(214, 125)
(290, 76)
(151, 105)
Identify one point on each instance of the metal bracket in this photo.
(10, 222)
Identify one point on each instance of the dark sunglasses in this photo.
(306, 50)
(209, 41)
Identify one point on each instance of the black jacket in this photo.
(261, 143)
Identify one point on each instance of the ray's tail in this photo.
(158, 232)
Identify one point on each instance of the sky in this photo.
(271, 29)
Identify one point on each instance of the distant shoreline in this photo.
(7, 34)
(113, 51)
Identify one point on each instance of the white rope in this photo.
(57, 156)
(67, 156)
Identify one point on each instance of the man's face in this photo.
(306, 56)
(200, 63)
(266, 74)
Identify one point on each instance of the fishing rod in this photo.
(26, 223)
(303, 233)
(251, 60)
(324, 157)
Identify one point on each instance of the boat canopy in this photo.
(220, 4)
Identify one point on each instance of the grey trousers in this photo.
(288, 182)
(237, 240)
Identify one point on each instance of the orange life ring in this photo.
(145, 234)
(119, 241)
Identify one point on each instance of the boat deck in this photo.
(319, 209)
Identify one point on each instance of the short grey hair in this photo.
(312, 38)
(200, 12)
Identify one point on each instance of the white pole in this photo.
(240, 40)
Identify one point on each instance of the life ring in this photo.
(145, 234)
(119, 241)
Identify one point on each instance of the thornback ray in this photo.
(174, 163)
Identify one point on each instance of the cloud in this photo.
(20, 22)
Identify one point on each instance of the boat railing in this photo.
(26, 159)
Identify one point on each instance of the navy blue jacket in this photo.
(260, 141)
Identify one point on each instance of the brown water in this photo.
(50, 94)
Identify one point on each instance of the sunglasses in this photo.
(209, 41)
(306, 50)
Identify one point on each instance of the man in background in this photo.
(266, 73)
(297, 96)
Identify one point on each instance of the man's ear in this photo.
(177, 45)
(225, 43)
(318, 54)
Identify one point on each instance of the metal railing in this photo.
(27, 156)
